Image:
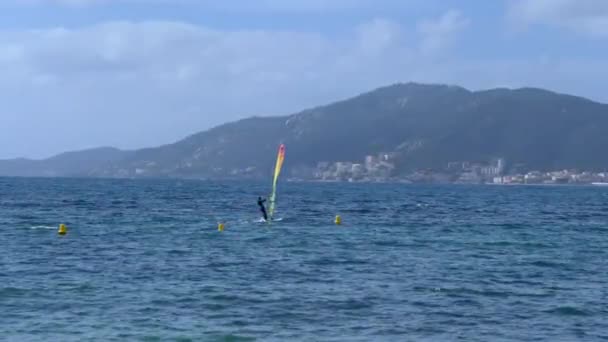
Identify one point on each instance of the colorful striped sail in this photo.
(277, 171)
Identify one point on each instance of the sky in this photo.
(78, 74)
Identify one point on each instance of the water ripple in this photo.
(143, 260)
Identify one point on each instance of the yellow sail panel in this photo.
(277, 171)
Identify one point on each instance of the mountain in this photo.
(426, 126)
(65, 164)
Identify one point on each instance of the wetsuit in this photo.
(262, 208)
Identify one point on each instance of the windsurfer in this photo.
(262, 208)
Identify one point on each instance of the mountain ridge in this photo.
(73, 163)
(426, 125)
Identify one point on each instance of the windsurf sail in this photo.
(277, 171)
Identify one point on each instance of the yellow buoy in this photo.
(62, 229)
(338, 220)
(220, 227)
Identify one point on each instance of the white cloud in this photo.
(585, 16)
(110, 82)
(378, 35)
(439, 33)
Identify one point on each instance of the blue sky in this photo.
(137, 73)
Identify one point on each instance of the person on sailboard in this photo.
(262, 208)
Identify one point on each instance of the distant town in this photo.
(381, 168)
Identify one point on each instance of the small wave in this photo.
(223, 264)
(459, 292)
(499, 243)
(184, 339)
(43, 227)
(359, 211)
(389, 243)
(179, 251)
(84, 288)
(512, 225)
(568, 311)
(233, 338)
(161, 302)
(225, 298)
(8, 292)
(466, 302)
(25, 205)
(328, 262)
(260, 239)
(151, 339)
(537, 245)
(548, 264)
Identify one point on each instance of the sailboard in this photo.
(261, 220)
(277, 172)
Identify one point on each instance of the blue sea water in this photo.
(143, 261)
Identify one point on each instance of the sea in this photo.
(143, 260)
